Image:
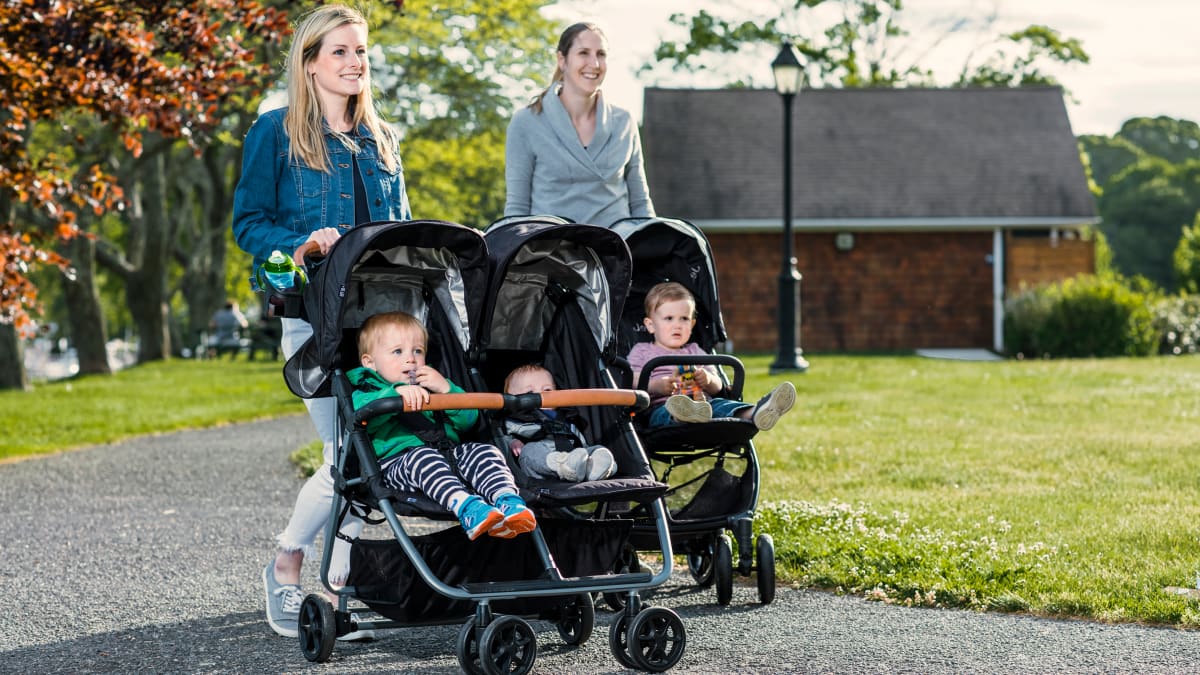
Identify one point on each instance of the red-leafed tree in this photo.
(135, 66)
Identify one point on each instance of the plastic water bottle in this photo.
(281, 272)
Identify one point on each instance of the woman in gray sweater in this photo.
(569, 153)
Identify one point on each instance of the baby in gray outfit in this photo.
(545, 444)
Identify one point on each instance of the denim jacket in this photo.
(279, 202)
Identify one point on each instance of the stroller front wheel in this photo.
(618, 641)
(765, 554)
(577, 620)
(656, 639)
(723, 569)
(468, 648)
(700, 563)
(316, 628)
(508, 646)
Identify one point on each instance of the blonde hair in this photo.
(305, 118)
(374, 325)
(564, 47)
(668, 291)
(527, 368)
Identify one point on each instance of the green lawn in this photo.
(1064, 488)
(164, 396)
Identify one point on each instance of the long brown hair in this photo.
(564, 47)
(304, 122)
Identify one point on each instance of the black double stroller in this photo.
(440, 272)
(712, 468)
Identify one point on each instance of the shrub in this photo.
(1086, 316)
(1177, 320)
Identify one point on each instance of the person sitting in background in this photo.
(227, 325)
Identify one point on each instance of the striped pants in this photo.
(426, 470)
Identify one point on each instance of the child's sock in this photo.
(517, 517)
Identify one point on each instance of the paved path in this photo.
(145, 556)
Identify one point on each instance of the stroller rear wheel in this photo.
(764, 552)
(700, 562)
(656, 639)
(723, 569)
(577, 620)
(508, 645)
(316, 628)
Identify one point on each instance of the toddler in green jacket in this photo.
(391, 348)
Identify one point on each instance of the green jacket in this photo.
(388, 433)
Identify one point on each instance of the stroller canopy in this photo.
(387, 266)
(666, 249)
(535, 257)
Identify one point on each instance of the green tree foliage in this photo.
(1186, 258)
(1021, 57)
(1143, 209)
(1147, 177)
(853, 43)
(1176, 141)
(1108, 155)
(453, 75)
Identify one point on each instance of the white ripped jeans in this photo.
(313, 504)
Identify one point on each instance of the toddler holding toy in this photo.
(391, 348)
(670, 316)
(545, 442)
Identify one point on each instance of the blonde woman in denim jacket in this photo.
(310, 172)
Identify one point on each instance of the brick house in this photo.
(915, 211)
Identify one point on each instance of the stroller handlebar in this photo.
(304, 250)
(633, 399)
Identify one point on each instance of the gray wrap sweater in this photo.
(549, 172)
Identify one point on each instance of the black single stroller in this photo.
(557, 290)
(714, 465)
(436, 271)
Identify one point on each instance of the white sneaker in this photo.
(570, 466)
(684, 409)
(772, 406)
(600, 464)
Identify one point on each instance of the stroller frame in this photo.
(489, 641)
(666, 249)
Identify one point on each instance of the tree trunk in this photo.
(12, 359)
(146, 287)
(85, 318)
(202, 249)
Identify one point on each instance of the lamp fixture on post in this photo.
(789, 74)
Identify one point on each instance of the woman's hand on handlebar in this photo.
(324, 238)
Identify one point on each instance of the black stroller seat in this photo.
(712, 468)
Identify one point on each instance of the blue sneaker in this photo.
(477, 516)
(518, 518)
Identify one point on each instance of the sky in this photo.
(1145, 54)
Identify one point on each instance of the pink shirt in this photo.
(642, 352)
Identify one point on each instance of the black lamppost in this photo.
(788, 76)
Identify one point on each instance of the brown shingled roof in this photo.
(864, 154)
